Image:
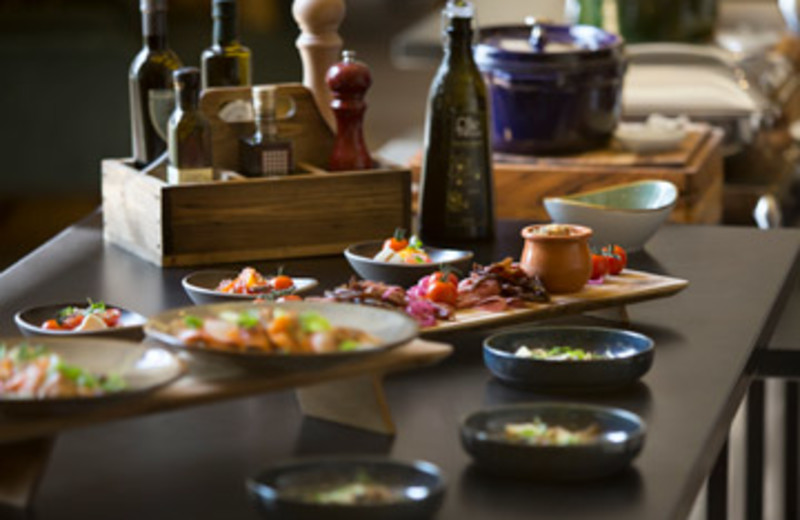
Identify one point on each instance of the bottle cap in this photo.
(223, 8)
(264, 99)
(187, 77)
(459, 9)
(152, 5)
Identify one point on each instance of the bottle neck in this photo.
(266, 128)
(187, 98)
(459, 37)
(154, 30)
(225, 24)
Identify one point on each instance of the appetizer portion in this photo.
(271, 330)
(560, 353)
(496, 287)
(96, 316)
(610, 260)
(250, 281)
(554, 230)
(28, 371)
(362, 491)
(399, 250)
(539, 433)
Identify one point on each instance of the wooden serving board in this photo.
(617, 291)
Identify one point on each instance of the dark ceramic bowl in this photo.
(361, 260)
(29, 322)
(277, 492)
(622, 437)
(201, 286)
(632, 357)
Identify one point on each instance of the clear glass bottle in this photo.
(265, 154)
(189, 133)
(150, 85)
(227, 62)
(457, 200)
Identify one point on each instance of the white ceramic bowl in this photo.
(624, 214)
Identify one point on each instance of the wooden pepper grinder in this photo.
(348, 81)
(319, 44)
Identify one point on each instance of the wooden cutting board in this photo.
(617, 291)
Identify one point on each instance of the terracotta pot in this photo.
(562, 262)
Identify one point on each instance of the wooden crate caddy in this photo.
(308, 214)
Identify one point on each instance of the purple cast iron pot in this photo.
(554, 92)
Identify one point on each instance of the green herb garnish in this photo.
(312, 322)
(193, 322)
(248, 320)
(349, 345)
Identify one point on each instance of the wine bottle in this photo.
(189, 133)
(227, 62)
(150, 85)
(265, 154)
(457, 202)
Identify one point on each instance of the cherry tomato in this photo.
(599, 266)
(398, 242)
(445, 277)
(111, 316)
(442, 292)
(72, 321)
(282, 282)
(617, 259)
(51, 325)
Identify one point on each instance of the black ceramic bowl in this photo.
(622, 437)
(361, 260)
(278, 491)
(632, 357)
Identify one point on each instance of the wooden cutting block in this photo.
(696, 168)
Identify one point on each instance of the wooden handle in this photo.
(319, 45)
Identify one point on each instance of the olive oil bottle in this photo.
(457, 200)
(227, 62)
(150, 85)
(189, 133)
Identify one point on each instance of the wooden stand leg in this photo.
(358, 402)
(619, 314)
(23, 465)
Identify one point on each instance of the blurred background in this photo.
(64, 100)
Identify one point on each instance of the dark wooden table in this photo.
(191, 464)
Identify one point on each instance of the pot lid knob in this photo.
(538, 37)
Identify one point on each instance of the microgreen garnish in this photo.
(193, 322)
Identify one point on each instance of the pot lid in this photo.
(546, 43)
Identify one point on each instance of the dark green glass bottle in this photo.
(227, 62)
(456, 201)
(189, 133)
(150, 85)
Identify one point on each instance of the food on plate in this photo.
(95, 316)
(560, 353)
(398, 250)
(250, 281)
(361, 491)
(379, 294)
(271, 330)
(554, 230)
(28, 371)
(617, 258)
(539, 433)
(499, 286)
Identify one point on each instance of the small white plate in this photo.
(29, 322)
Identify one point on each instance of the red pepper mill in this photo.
(349, 80)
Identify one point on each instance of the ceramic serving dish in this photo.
(143, 368)
(393, 329)
(201, 286)
(361, 260)
(624, 214)
(29, 322)
(561, 261)
(287, 491)
(621, 438)
(630, 357)
(644, 139)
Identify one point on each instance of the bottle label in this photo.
(160, 104)
(468, 175)
(187, 175)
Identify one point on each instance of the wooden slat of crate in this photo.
(520, 188)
